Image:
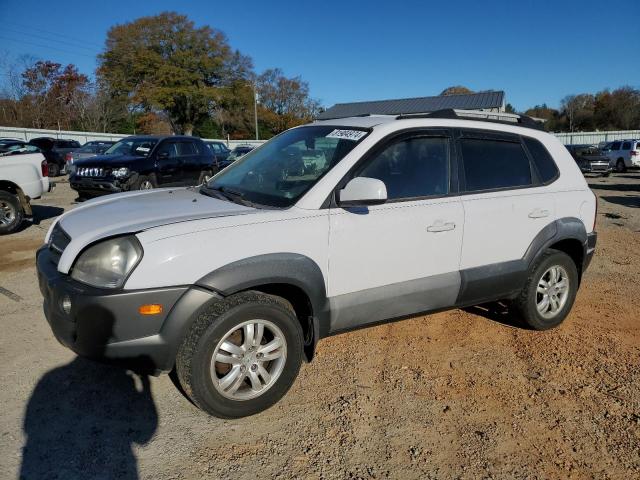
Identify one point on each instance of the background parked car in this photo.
(55, 150)
(143, 162)
(590, 159)
(88, 150)
(238, 152)
(623, 154)
(9, 146)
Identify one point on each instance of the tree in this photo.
(509, 108)
(165, 64)
(579, 111)
(455, 90)
(285, 101)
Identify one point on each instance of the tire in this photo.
(223, 323)
(620, 166)
(204, 177)
(145, 182)
(54, 169)
(11, 214)
(526, 305)
(606, 174)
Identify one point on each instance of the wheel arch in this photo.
(567, 234)
(14, 189)
(294, 277)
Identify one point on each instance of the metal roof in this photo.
(471, 101)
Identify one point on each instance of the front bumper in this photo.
(105, 324)
(599, 167)
(101, 186)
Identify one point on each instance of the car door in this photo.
(189, 162)
(400, 257)
(625, 153)
(505, 205)
(169, 168)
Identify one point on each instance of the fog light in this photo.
(151, 309)
(66, 304)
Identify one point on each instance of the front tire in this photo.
(145, 182)
(241, 355)
(11, 214)
(549, 292)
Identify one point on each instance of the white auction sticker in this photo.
(354, 135)
(142, 149)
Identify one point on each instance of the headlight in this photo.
(107, 264)
(120, 172)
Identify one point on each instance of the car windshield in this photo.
(581, 151)
(140, 147)
(278, 173)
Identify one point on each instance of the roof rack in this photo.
(494, 117)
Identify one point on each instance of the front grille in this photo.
(91, 172)
(58, 241)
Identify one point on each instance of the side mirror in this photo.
(363, 191)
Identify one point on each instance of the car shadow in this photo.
(618, 187)
(632, 201)
(45, 212)
(82, 421)
(497, 312)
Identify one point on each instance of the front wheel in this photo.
(145, 183)
(549, 292)
(241, 355)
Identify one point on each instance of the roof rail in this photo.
(494, 117)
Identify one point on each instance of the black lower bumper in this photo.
(106, 325)
(97, 187)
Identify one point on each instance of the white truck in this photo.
(23, 177)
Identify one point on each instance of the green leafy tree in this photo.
(455, 90)
(165, 64)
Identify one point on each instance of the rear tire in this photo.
(54, 169)
(204, 177)
(543, 302)
(11, 214)
(244, 381)
(620, 166)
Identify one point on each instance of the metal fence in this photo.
(594, 138)
(591, 138)
(83, 137)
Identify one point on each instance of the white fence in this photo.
(591, 138)
(83, 137)
(594, 138)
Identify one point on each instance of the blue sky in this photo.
(537, 51)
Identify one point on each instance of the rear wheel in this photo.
(54, 169)
(549, 292)
(620, 166)
(11, 214)
(241, 355)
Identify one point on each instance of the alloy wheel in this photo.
(7, 213)
(552, 291)
(248, 360)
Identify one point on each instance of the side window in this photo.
(415, 167)
(547, 168)
(626, 146)
(490, 164)
(187, 148)
(168, 147)
(615, 146)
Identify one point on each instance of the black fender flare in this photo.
(566, 228)
(276, 268)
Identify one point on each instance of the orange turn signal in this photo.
(151, 309)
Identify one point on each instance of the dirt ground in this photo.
(463, 394)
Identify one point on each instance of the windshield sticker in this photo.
(354, 135)
(142, 149)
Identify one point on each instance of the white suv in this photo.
(623, 154)
(327, 227)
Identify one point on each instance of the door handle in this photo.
(538, 213)
(441, 227)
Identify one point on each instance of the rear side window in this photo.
(626, 146)
(547, 168)
(416, 167)
(493, 164)
(615, 146)
(187, 148)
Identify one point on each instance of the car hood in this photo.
(133, 212)
(595, 158)
(109, 160)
